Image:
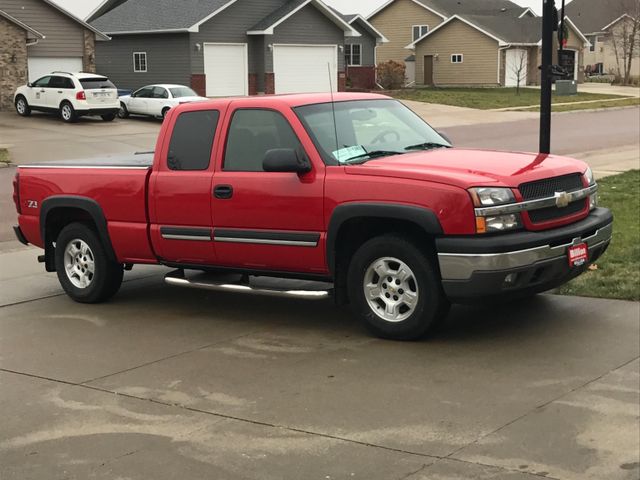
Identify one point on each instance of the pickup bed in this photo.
(353, 189)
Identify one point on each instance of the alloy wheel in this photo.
(79, 263)
(391, 289)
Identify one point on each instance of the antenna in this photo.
(333, 110)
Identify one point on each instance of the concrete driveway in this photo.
(166, 383)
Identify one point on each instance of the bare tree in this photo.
(519, 68)
(624, 36)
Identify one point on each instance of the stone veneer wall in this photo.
(13, 61)
(89, 52)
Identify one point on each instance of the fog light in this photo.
(510, 279)
(593, 201)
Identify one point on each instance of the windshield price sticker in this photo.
(578, 255)
(344, 154)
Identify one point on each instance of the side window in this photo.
(139, 62)
(67, 83)
(146, 92)
(159, 92)
(252, 134)
(42, 82)
(192, 140)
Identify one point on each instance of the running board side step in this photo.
(262, 286)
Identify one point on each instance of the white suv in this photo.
(71, 95)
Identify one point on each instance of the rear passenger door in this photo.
(57, 90)
(180, 189)
(267, 220)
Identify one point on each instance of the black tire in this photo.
(123, 112)
(431, 305)
(110, 117)
(107, 275)
(22, 106)
(68, 113)
(164, 113)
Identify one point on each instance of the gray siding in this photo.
(231, 26)
(64, 36)
(308, 27)
(167, 59)
(368, 42)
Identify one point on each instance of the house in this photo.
(404, 21)
(468, 42)
(224, 47)
(491, 50)
(360, 52)
(37, 37)
(603, 22)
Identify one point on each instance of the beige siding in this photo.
(480, 64)
(395, 22)
(64, 37)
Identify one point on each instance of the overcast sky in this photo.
(82, 8)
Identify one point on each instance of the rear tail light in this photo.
(81, 95)
(16, 193)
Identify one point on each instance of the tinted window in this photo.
(146, 92)
(61, 82)
(159, 92)
(192, 140)
(252, 134)
(42, 82)
(96, 83)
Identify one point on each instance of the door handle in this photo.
(59, 91)
(223, 192)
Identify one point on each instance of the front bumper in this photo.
(523, 262)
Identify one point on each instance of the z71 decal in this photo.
(32, 204)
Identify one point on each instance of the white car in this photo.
(156, 100)
(71, 95)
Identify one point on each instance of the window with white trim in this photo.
(139, 62)
(457, 58)
(353, 54)
(592, 39)
(419, 31)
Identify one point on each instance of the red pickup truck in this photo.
(354, 189)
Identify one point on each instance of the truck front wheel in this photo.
(395, 289)
(83, 267)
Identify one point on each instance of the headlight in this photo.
(588, 175)
(489, 197)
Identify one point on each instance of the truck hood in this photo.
(470, 168)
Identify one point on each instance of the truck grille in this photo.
(547, 188)
(553, 213)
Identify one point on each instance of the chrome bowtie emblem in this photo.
(562, 199)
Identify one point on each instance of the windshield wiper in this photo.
(371, 155)
(426, 146)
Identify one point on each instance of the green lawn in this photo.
(4, 155)
(627, 102)
(489, 98)
(618, 272)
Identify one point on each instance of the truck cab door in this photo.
(267, 220)
(180, 189)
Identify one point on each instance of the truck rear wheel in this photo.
(83, 267)
(395, 289)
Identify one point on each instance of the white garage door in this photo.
(516, 67)
(41, 66)
(225, 67)
(305, 68)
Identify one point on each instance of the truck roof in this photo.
(298, 99)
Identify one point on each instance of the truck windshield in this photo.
(366, 129)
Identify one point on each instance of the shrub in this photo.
(391, 75)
